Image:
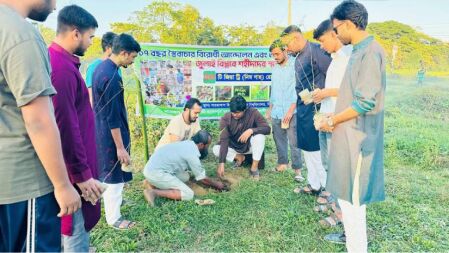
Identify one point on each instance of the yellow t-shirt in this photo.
(178, 127)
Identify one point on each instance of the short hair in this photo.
(291, 29)
(107, 40)
(125, 42)
(323, 27)
(74, 17)
(352, 11)
(191, 102)
(202, 136)
(237, 104)
(277, 44)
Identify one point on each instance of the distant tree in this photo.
(47, 33)
(243, 35)
(211, 35)
(172, 23)
(95, 50)
(137, 31)
(270, 33)
(175, 23)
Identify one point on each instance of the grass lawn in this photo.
(268, 216)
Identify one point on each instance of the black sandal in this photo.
(309, 190)
(254, 174)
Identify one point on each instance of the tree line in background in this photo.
(175, 23)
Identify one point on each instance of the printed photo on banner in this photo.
(167, 82)
(172, 74)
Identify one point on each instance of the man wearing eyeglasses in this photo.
(356, 153)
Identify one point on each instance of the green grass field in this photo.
(267, 216)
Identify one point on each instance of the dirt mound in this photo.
(232, 179)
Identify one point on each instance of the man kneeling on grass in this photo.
(172, 165)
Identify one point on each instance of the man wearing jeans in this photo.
(282, 110)
(328, 96)
(340, 54)
(356, 175)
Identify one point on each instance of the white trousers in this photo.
(316, 174)
(354, 218)
(257, 148)
(112, 202)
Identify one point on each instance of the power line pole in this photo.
(289, 12)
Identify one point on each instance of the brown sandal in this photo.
(330, 221)
(307, 190)
(325, 198)
(122, 224)
(322, 208)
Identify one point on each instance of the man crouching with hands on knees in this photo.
(172, 165)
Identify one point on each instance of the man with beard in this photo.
(34, 177)
(111, 126)
(282, 110)
(356, 158)
(183, 126)
(75, 118)
(170, 166)
(311, 65)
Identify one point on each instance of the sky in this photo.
(428, 16)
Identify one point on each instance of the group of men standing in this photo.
(339, 116)
(61, 146)
(326, 101)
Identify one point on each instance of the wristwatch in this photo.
(330, 122)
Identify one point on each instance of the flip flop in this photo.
(322, 208)
(307, 190)
(330, 221)
(204, 202)
(255, 174)
(338, 238)
(325, 200)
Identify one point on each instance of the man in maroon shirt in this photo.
(76, 123)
